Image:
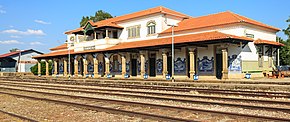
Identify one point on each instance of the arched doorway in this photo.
(101, 65)
(90, 62)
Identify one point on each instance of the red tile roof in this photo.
(200, 37)
(112, 21)
(192, 38)
(57, 53)
(9, 54)
(63, 46)
(222, 18)
(74, 31)
(17, 53)
(159, 9)
(267, 42)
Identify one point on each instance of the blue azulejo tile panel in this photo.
(159, 65)
(146, 66)
(115, 68)
(128, 66)
(205, 65)
(61, 68)
(234, 63)
(139, 67)
(111, 66)
(90, 68)
(79, 67)
(180, 66)
(101, 67)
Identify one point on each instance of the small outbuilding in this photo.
(20, 61)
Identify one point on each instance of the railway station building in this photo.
(217, 46)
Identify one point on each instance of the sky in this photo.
(40, 24)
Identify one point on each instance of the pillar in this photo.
(107, 33)
(142, 58)
(107, 65)
(65, 67)
(85, 72)
(46, 68)
(191, 62)
(225, 63)
(123, 66)
(95, 33)
(164, 58)
(55, 66)
(96, 67)
(76, 68)
(39, 67)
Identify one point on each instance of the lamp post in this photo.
(172, 49)
(19, 62)
(69, 73)
(69, 61)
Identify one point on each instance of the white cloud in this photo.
(36, 43)
(2, 11)
(15, 37)
(11, 42)
(42, 22)
(28, 32)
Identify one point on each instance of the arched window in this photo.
(115, 63)
(151, 27)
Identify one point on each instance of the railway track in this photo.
(18, 116)
(246, 93)
(151, 105)
(100, 108)
(157, 95)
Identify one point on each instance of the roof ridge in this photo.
(162, 7)
(254, 21)
(236, 15)
(129, 13)
(209, 14)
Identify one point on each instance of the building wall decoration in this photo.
(128, 66)
(205, 65)
(147, 66)
(79, 67)
(100, 67)
(60, 68)
(90, 68)
(119, 70)
(234, 63)
(111, 66)
(120, 67)
(159, 64)
(139, 67)
(180, 66)
(52, 68)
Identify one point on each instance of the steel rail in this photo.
(185, 89)
(150, 105)
(109, 92)
(18, 116)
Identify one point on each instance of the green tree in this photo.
(14, 50)
(285, 50)
(34, 69)
(99, 15)
(287, 30)
(84, 20)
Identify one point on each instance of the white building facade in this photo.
(223, 45)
